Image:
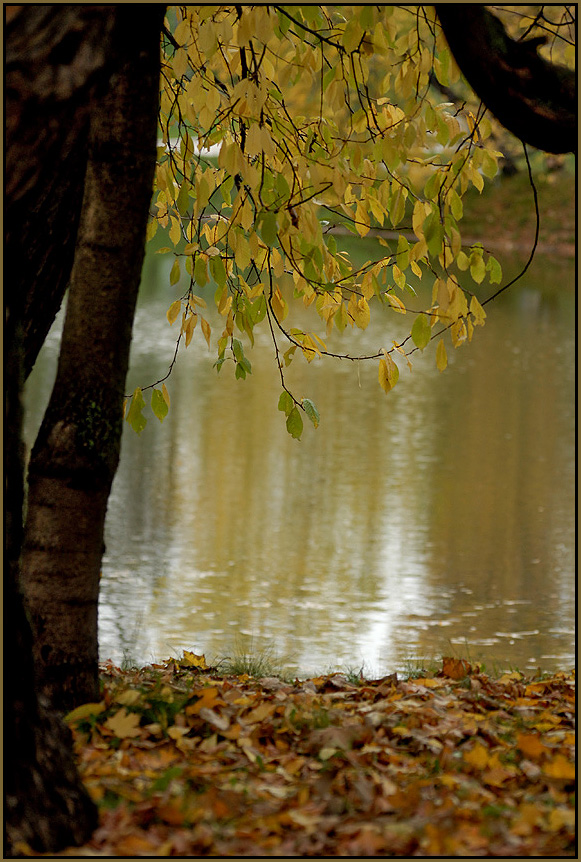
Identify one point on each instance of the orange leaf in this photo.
(134, 845)
(171, 813)
(208, 698)
(455, 668)
(530, 744)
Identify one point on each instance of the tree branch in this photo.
(532, 98)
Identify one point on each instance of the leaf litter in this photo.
(184, 761)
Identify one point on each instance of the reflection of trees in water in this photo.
(372, 528)
(503, 524)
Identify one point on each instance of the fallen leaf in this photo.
(456, 668)
(560, 767)
(190, 659)
(530, 744)
(124, 724)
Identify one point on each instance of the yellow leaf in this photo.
(477, 312)
(206, 329)
(177, 732)
(262, 711)
(180, 63)
(190, 659)
(562, 817)
(189, 327)
(279, 305)
(124, 724)
(388, 373)
(561, 768)
(208, 698)
(86, 710)
(458, 333)
(513, 676)
(165, 393)
(477, 756)
(530, 744)
(173, 311)
(129, 697)
(441, 355)
(361, 313)
(362, 223)
(396, 303)
(383, 376)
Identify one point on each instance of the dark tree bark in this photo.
(77, 450)
(46, 805)
(55, 56)
(533, 99)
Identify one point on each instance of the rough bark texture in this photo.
(77, 450)
(533, 99)
(46, 805)
(55, 57)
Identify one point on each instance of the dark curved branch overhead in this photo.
(532, 98)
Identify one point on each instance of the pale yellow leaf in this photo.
(124, 724)
(173, 311)
(441, 356)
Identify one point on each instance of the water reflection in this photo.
(434, 520)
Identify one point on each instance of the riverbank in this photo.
(183, 760)
(503, 216)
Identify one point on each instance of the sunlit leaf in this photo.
(173, 311)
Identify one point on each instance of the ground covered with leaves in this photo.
(185, 761)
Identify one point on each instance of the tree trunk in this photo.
(46, 806)
(77, 450)
(55, 57)
(533, 99)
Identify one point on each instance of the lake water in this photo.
(436, 520)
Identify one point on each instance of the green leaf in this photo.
(434, 234)
(495, 270)
(294, 423)
(456, 205)
(201, 271)
(217, 270)
(311, 411)
(174, 275)
(267, 228)
(158, 404)
(134, 417)
(237, 349)
(421, 331)
(285, 402)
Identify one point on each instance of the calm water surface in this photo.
(438, 520)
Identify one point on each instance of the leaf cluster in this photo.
(323, 120)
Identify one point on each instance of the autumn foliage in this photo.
(184, 761)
